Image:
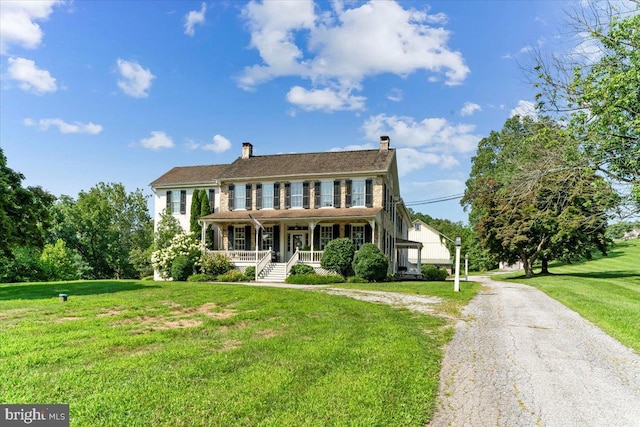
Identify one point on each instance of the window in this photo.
(326, 235)
(358, 193)
(267, 238)
(416, 226)
(212, 201)
(177, 202)
(238, 238)
(326, 194)
(357, 235)
(240, 197)
(267, 196)
(296, 194)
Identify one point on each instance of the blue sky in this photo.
(122, 91)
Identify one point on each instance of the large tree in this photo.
(596, 89)
(532, 198)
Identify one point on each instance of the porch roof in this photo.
(404, 243)
(266, 215)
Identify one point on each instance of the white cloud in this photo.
(324, 99)
(469, 108)
(220, 144)
(434, 134)
(157, 141)
(194, 18)
(294, 40)
(17, 22)
(524, 108)
(354, 147)
(410, 159)
(395, 95)
(31, 78)
(135, 81)
(64, 127)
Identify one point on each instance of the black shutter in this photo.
(276, 195)
(231, 197)
(368, 234)
(384, 198)
(183, 202)
(247, 203)
(347, 198)
(212, 200)
(169, 202)
(230, 238)
(247, 238)
(258, 196)
(287, 195)
(347, 231)
(276, 238)
(316, 238)
(336, 231)
(368, 199)
(305, 195)
(316, 196)
(336, 193)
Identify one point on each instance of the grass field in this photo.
(135, 353)
(605, 290)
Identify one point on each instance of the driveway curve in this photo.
(520, 358)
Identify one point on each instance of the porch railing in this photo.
(244, 256)
(292, 261)
(311, 257)
(266, 259)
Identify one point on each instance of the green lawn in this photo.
(136, 353)
(605, 291)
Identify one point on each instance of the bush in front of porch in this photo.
(370, 264)
(338, 256)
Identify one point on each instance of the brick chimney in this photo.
(247, 150)
(384, 143)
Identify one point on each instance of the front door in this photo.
(297, 240)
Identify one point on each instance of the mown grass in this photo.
(139, 353)
(605, 290)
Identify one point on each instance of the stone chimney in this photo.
(384, 143)
(247, 150)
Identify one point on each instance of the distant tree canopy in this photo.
(531, 197)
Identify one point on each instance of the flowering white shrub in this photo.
(182, 244)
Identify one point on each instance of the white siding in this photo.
(160, 204)
(434, 249)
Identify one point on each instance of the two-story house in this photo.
(292, 205)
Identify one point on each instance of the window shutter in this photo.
(276, 195)
(347, 197)
(230, 238)
(212, 201)
(305, 195)
(258, 196)
(368, 199)
(247, 238)
(347, 231)
(336, 193)
(384, 198)
(247, 204)
(231, 196)
(336, 231)
(169, 202)
(316, 238)
(368, 234)
(316, 194)
(183, 202)
(287, 195)
(276, 239)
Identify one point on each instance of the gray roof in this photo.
(190, 175)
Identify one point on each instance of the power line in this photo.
(435, 200)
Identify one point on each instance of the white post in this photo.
(456, 285)
(257, 228)
(466, 267)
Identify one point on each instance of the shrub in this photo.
(232, 276)
(432, 273)
(148, 278)
(250, 273)
(314, 279)
(356, 279)
(181, 245)
(302, 269)
(338, 256)
(215, 264)
(201, 278)
(370, 263)
(24, 265)
(181, 268)
(62, 263)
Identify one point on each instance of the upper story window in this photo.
(416, 226)
(240, 197)
(296, 194)
(358, 193)
(326, 194)
(267, 195)
(177, 202)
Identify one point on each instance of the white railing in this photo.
(292, 261)
(266, 259)
(309, 257)
(243, 256)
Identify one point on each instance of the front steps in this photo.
(274, 272)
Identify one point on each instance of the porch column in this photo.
(372, 223)
(312, 227)
(420, 259)
(203, 235)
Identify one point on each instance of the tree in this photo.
(338, 256)
(168, 228)
(205, 209)
(370, 264)
(62, 263)
(598, 93)
(194, 214)
(531, 197)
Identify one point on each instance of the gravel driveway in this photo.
(523, 359)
